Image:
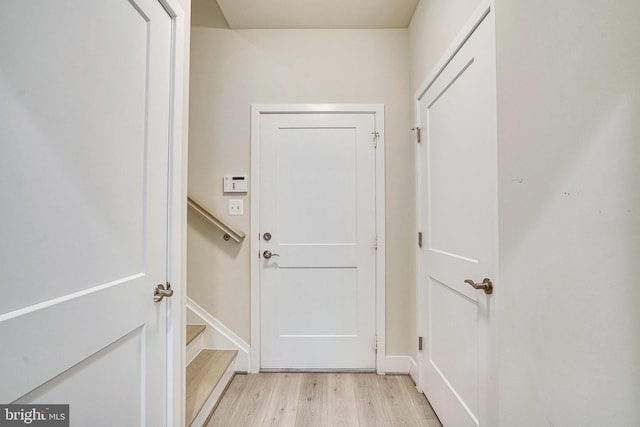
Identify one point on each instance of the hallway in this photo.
(322, 399)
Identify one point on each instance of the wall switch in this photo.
(236, 207)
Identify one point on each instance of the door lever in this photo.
(486, 285)
(160, 292)
(268, 254)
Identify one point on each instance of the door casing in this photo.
(256, 111)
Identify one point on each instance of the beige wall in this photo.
(230, 70)
(569, 175)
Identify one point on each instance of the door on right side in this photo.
(457, 202)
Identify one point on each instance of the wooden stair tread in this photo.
(203, 374)
(193, 331)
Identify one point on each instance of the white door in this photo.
(317, 204)
(457, 214)
(84, 131)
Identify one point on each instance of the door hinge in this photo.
(417, 129)
(420, 343)
(375, 242)
(376, 136)
(420, 239)
(375, 343)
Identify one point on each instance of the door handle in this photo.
(160, 292)
(268, 254)
(486, 285)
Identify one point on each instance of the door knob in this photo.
(268, 254)
(486, 285)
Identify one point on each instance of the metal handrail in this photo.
(230, 232)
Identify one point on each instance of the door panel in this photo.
(454, 130)
(310, 294)
(68, 132)
(84, 124)
(86, 374)
(457, 211)
(317, 176)
(454, 331)
(317, 195)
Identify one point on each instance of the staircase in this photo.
(208, 374)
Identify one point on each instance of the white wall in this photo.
(230, 70)
(569, 155)
(569, 203)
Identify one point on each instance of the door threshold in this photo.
(318, 370)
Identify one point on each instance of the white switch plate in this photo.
(236, 207)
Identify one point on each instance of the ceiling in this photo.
(280, 14)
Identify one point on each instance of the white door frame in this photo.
(177, 218)
(485, 8)
(256, 111)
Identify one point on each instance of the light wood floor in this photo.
(322, 400)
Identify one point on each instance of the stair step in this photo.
(193, 331)
(203, 375)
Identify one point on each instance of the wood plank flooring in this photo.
(322, 400)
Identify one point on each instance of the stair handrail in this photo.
(230, 232)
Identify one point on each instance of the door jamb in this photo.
(177, 215)
(256, 111)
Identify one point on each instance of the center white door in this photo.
(84, 129)
(458, 215)
(317, 219)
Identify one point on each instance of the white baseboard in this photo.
(413, 370)
(218, 336)
(401, 365)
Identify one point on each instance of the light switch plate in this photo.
(236, 207)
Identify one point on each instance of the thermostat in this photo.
(235, 184)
